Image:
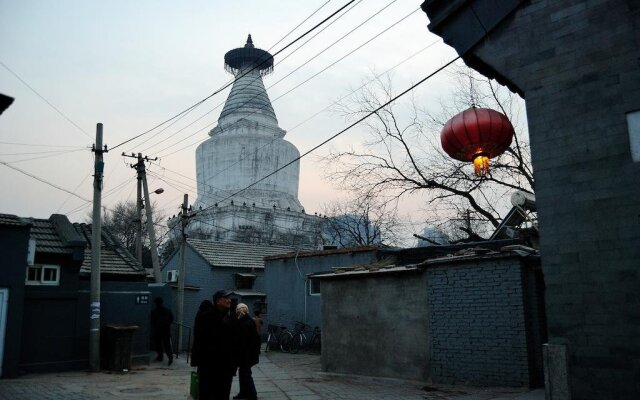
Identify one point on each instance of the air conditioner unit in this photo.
(172, 275)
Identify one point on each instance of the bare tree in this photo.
(361, 222)
(403, 155)
(120, 221)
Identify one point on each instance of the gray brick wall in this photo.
(577, 63)
(376, 325)
(477, 324)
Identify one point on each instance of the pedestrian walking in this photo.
(247, 351)
(213, 338)
(161, 320)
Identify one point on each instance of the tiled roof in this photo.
(314, 253)
(233, 254)
(366, 271)
(248, 293)
(13, 220)
(114, 258)
(388, 266)
(47, 238)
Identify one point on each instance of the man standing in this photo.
(161, 320)
(214, 335)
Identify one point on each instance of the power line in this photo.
(229, 84)
(42, 157)
(223, 102)
(42, 180)
(181, 186)
(347, 128)
(39, 152)
(252, 220)
(45, 100)
(303, 82)
(242, 75)
(364, 84)
(173, 185)
(74, 190)
(108, 193)
(305, 63)
(300, 24)
(42, 145)
(319, 32)
(342, 38)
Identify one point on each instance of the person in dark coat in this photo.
(205, 306)
(161, 320)
(213, 335)
(247, 351)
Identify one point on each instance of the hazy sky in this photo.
(132, 64)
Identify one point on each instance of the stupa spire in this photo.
(248, 99)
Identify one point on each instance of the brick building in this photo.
(475, 317)
(48, 324)
(576, 64)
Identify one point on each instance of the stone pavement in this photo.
(278, 376)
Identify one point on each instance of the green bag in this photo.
(194, 389)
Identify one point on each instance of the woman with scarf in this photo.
(247, 351)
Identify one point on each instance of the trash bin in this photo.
(117, 344)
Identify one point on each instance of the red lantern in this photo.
(477, 134)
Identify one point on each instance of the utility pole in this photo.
(142, 183)
(151, 231)
(96, 241)
(183, 249)
(139, 209)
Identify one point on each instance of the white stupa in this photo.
(246, 145)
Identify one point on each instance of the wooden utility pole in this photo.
(96, 241)
(142, 183)
(151, 231)
(183, 249)
(139, 209)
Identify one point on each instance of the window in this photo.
(314, 287)
(43, 275)
(245, 281)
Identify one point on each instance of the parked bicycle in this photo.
(278, 337)
(304, 337)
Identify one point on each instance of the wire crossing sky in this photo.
(141, 62)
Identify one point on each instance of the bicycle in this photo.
(299, 339)
(316, 340)
(278, 337)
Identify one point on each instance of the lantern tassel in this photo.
(481, 164)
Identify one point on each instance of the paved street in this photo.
(278, 376)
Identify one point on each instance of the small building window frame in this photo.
(43, 275)
(244, 281)
(314, 287)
